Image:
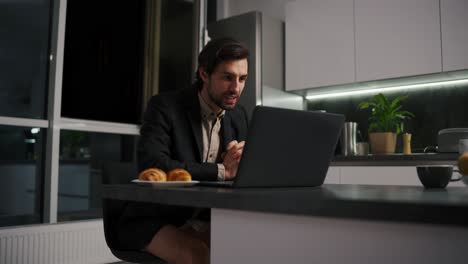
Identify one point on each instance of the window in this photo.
(86, 160)
(24, 54)
(175, 70)
(21, 156)
(103, 62)
(24, 69)
(115, 57)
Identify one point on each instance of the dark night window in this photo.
(24, 57)
(21, 166)
(86, 159)
(103, 62)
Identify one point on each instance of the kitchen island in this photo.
(327, 224)
(396, 159)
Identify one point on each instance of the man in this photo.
(200, 129)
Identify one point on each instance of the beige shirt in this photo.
(211, 133)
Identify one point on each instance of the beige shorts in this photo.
(197, 225)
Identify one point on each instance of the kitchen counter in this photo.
(397, 159)
(387, 203)
(328, 224)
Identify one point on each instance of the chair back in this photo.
(120, 173)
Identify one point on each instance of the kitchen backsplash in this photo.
(434, 109)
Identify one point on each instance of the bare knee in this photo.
(196, 252)
(178, 247)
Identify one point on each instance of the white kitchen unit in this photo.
(338, 42)
(378, 175)
(454, 23)
(333, 175)
(397, 38)
(319, 43)
(239, 236)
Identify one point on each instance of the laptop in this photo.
(286, 148)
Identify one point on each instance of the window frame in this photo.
(54, 122)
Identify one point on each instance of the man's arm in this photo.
(232, 158)
(233, 153)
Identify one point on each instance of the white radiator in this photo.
(78, 242)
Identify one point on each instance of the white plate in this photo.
(167, 183)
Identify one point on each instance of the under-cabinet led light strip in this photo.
(387, 89)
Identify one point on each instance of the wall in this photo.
(272, 8)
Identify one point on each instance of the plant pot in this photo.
(382, 142)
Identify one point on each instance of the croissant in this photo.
(179, 175)
(152, 174)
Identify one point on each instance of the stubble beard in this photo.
(218, 101)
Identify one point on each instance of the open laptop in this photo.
(286, 148)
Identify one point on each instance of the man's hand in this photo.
(231, 158)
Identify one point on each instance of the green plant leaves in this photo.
(386, 116)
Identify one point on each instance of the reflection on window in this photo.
(86, 161)
(24, 48)
(21, 159)
(74, 145)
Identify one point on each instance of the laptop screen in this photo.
(288, 148)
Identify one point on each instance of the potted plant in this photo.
(385, 122)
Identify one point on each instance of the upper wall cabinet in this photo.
(336, 42)
(397, 38)
(454, 18)
(319, 43)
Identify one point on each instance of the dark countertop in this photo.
(397, 159)
(388, 203)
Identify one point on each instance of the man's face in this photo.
(224, 86)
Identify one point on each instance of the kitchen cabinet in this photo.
(339, 42)
(319, 43)
(397, 38)
(378, 175)
(333, 176)
(454, 22)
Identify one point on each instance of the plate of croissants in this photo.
(157, 177)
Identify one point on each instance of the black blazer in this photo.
(171, 137)
(171, 134)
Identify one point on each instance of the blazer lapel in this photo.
(193, 115)
(195, 121)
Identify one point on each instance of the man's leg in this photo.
(202, 235)
(178, 247)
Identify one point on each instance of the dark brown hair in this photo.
(217, 51)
